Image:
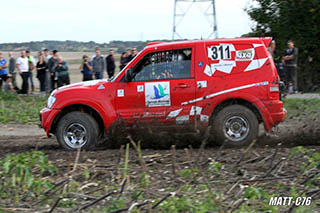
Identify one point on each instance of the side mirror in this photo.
(129, 75)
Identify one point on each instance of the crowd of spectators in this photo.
(52, 71)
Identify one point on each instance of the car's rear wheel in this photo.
(235, 125)
(77, 130)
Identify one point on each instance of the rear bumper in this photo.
(276, 113)
(47, 117)
(278, 117)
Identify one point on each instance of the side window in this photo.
(171, 64)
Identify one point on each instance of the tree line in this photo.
(74, 46)
(296, 20)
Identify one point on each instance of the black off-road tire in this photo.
(239, 115)
(80, 120)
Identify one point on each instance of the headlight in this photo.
(51, 101)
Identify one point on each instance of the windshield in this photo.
(116, 77)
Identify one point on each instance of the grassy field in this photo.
(20, 109)
(302, 107)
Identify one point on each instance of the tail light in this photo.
(275, 88)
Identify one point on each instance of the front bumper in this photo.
(47, 117)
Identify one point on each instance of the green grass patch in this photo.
(20, 109)
(25, 175)
(297, 106)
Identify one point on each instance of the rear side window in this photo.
(170, 64)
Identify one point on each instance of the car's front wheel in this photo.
(77, 130)
(235, 125)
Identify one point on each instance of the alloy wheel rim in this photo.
(75, 135)
(236, 128)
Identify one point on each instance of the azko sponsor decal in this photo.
(157, 94)
(245, 54)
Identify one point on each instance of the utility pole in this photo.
(209, 13)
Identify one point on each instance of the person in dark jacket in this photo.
(123, 60)
(13, 71)
(86, 68)
(134, 53)
(62, 73)
(110, 63)
(290, 59)
(129, 56)
(41, 72)
(52, 63)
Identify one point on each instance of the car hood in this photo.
(94, 84)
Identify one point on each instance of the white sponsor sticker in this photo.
(201, 84)
(204, 118)
(195, 110)
(257, 45)
(223, 66)
(182, 119)
(245, 55)
(120, 93)
(174, 113)
(140, 88)
(256, 64)
(157, 94)
(208, 71)
(220, 52)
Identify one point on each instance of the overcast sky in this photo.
(105, 20)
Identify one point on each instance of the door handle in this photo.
(182, 85)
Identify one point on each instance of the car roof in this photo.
(265, 40)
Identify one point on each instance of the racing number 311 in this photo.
(220, 52)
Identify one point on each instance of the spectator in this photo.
(47, 56)
(86, 69)
(32, 65)
(123, 60)
(8, 87)
(42, 68)
(52, 63)
(61, 70)
(23, 69)
(12, 70)
(272, 47)
(3, 70)
(289, 59)
(129, 56)
(134, 53)
(110, 63)
(98, 65)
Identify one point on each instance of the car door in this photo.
(162, 81)
(145, 98)
(182, 87)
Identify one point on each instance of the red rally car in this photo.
(229, 84)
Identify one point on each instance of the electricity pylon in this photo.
(209, 13)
